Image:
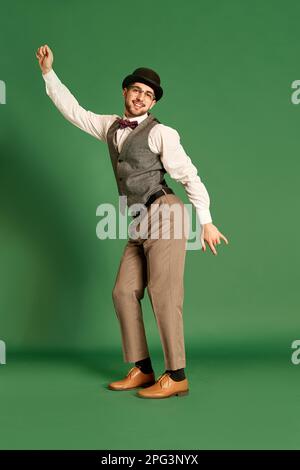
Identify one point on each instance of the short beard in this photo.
(137, 112)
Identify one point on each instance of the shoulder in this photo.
(109, 118)
(162, 137)
(163, 132)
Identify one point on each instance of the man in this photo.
(142, 150)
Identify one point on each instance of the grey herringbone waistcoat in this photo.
(139, 172)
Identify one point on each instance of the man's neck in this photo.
(135, 118)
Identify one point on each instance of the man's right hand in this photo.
(45, 58)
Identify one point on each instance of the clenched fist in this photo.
(45, 58)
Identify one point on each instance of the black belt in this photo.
(154, 196)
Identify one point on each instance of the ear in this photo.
(154, 103)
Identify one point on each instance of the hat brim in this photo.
(137, 78)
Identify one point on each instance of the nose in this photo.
(140, 92)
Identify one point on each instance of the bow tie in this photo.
(126, 123)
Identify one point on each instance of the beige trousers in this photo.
(155, 259)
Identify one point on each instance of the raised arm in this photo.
(94, 124)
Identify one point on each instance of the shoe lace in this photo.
(130, 371)
(163, 378)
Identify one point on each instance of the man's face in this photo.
(139, 98)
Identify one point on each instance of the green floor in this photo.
(60, 401)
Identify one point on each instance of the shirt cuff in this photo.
(204, 216)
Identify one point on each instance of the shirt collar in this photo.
(137, 118)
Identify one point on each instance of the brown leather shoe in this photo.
(165, 387)
(135, 378)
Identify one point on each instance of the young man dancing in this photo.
(142, 150)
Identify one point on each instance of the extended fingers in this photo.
(214, 240)
(224, 238)
(212, 247)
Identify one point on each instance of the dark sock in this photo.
(145, 365)
(177, 375)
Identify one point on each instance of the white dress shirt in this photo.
(162, 139)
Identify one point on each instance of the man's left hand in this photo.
(213, 237)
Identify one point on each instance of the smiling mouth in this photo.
(137, 105)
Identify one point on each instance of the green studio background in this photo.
(226, 68)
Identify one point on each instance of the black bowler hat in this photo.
(147, 76)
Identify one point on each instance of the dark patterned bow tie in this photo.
(126, 123)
